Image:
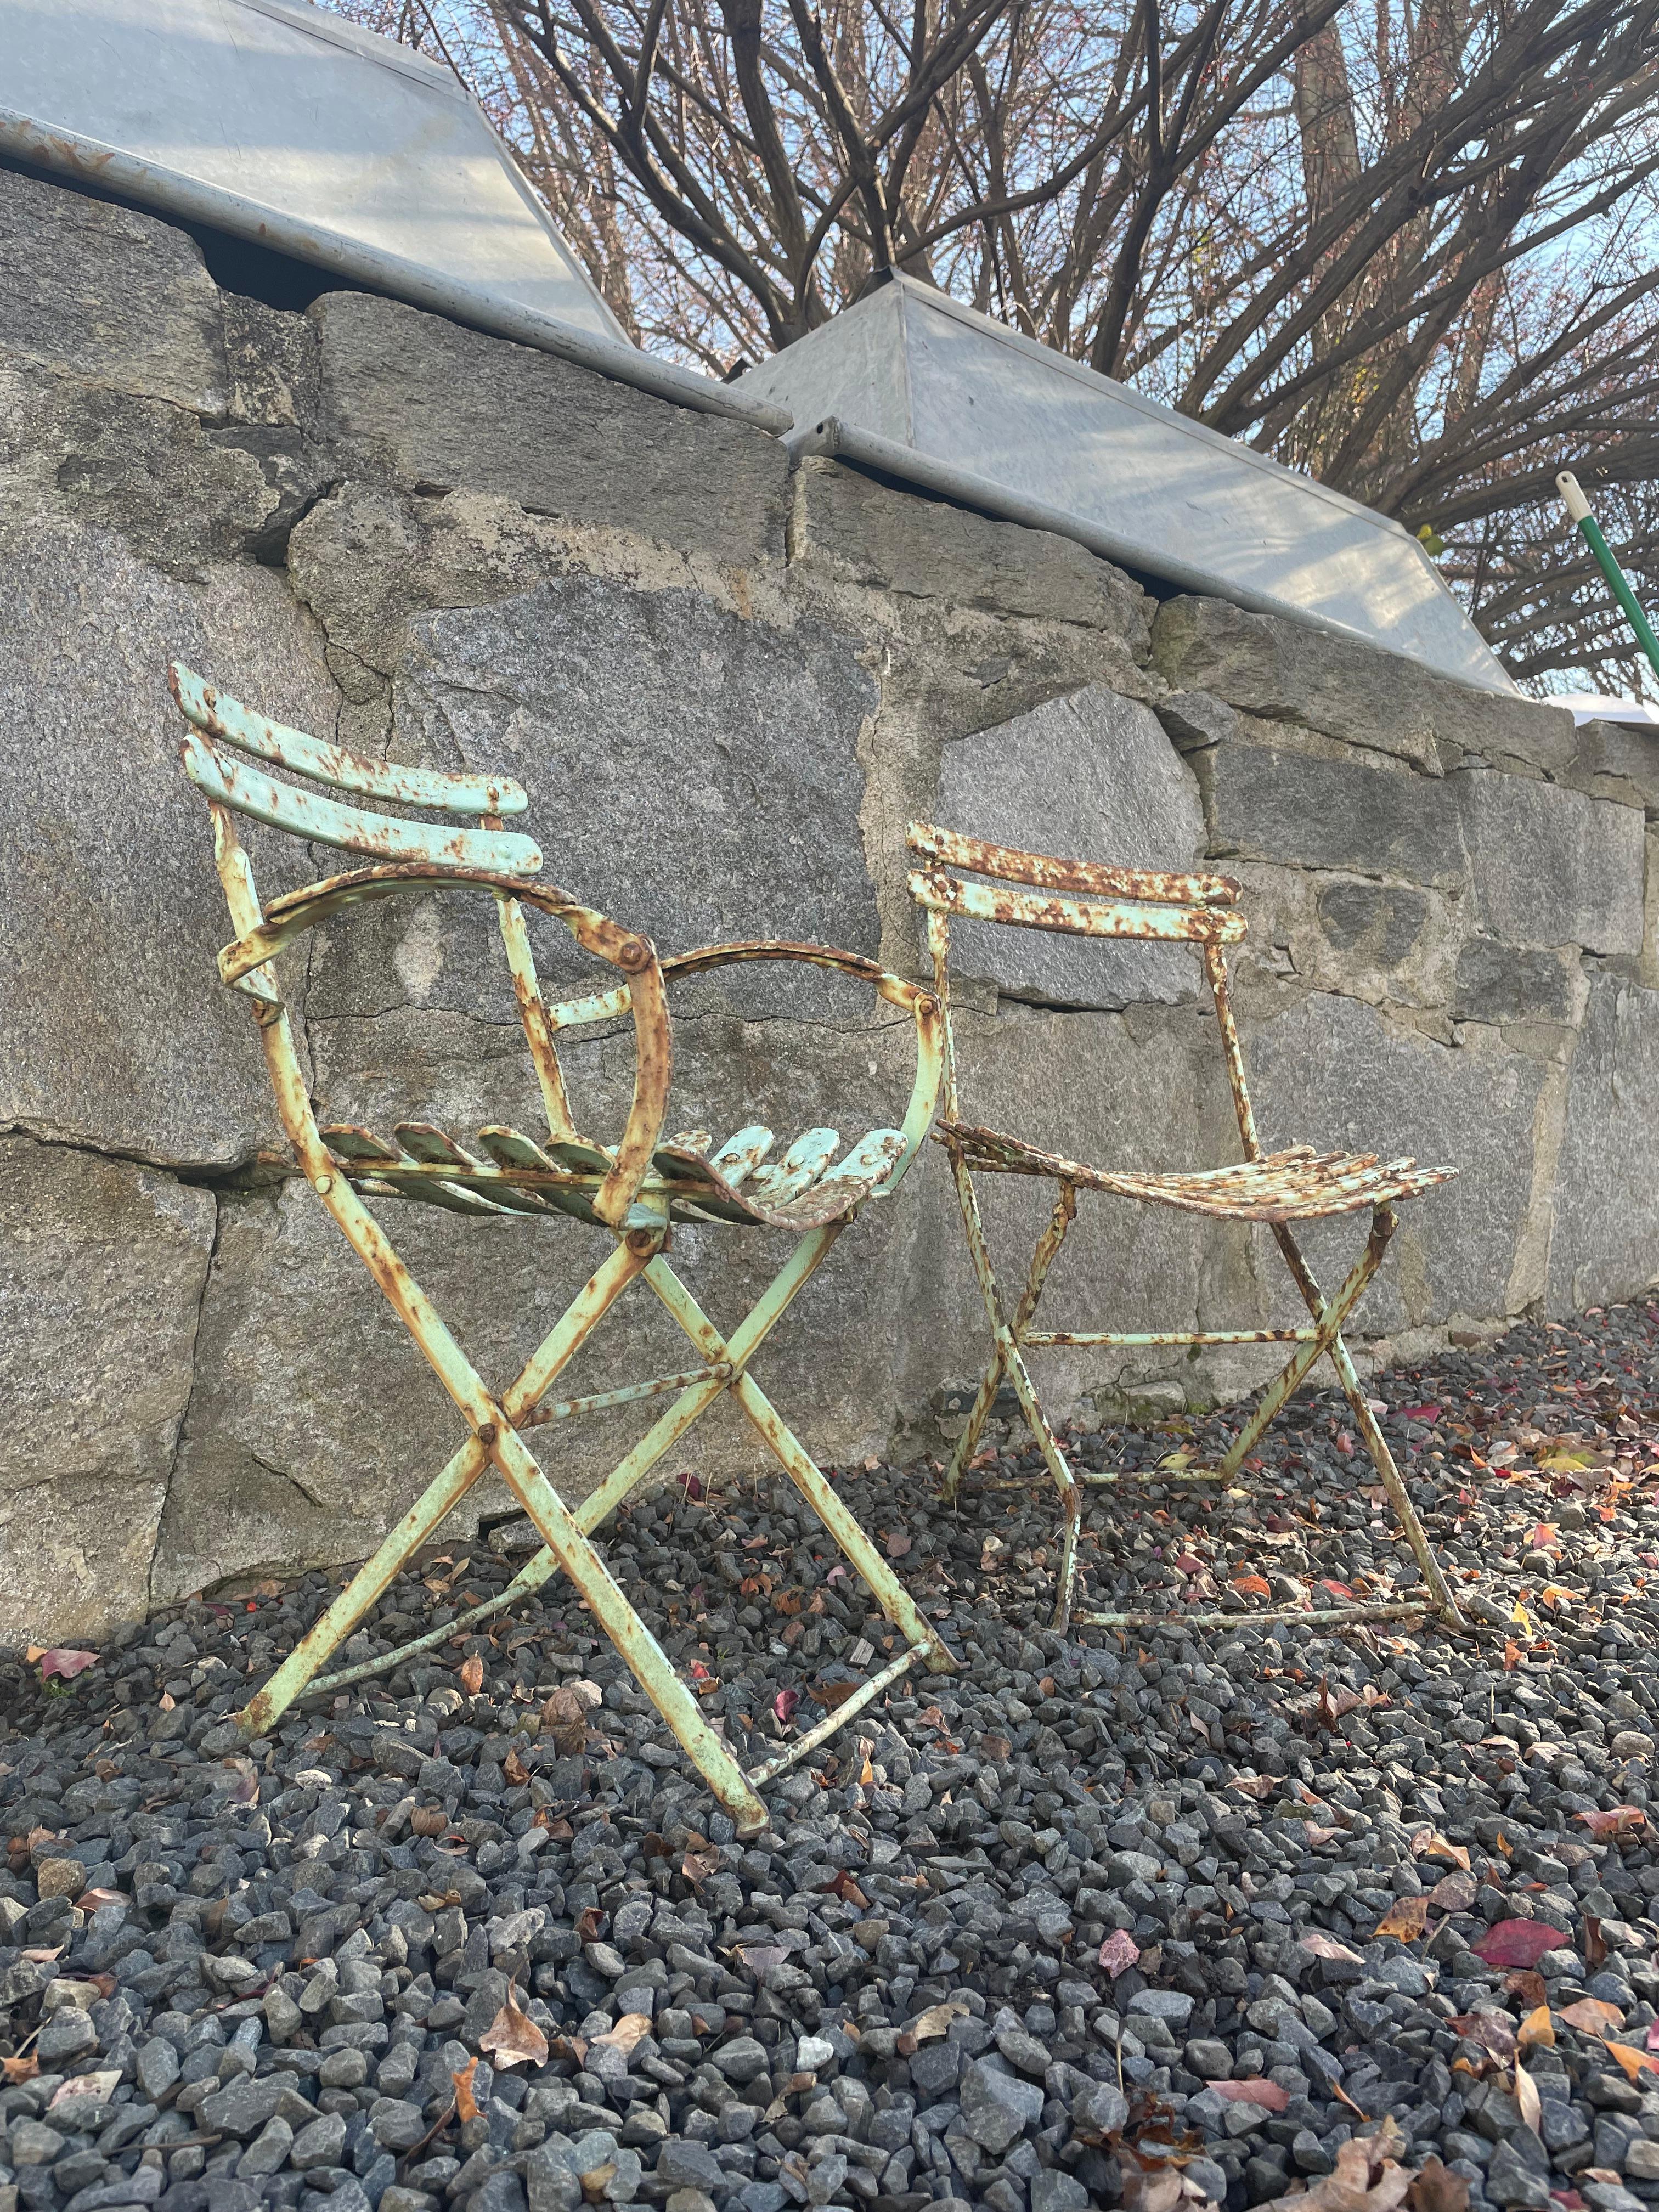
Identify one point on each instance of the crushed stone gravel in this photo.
(1166, 1918)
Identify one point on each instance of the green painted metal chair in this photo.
(635, 1190)
(1085, 898)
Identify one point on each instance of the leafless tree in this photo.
(1406, 244)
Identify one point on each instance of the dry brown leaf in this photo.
(1526, 2099)
(515, 1770)
(697, 1866)
(428, 1820)
(927, 2026)
(472, 1675)
(1621, 1820)
(1369, 2177)
(1595, 1943)
(1258, 1786)
(513, 2038)
(1255, 2089)
(1537, 2031)
(466, 2105)
(1437, 2189)
(1635, 2062)
(21, 2068)
(1492, 2031)
(1592, 2014)
(1326, 1947)
(1407, 1918)
(1527, 1985)
(1429, 1844)
(626, 2033)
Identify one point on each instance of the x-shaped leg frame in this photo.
(1011, 1339)
(565, 1533)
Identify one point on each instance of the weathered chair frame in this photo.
(1090, 899)
(635, 1190)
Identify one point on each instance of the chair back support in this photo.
(1077, 898)
(233, 782)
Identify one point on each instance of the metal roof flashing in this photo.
(911, 382)
(277, 122)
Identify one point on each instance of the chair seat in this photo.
(1298, 1184)
(736, 1182)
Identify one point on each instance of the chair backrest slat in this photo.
(307, 814)
(1175, 924)
(233, 724)
(1091, 878)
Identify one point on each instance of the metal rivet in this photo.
(324, 1183)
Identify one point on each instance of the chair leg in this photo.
(577, 1323)
(1046, 1253)
(1382, 1228)
(798, 1465)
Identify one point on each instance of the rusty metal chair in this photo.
(1087, 899)
(635, 1189)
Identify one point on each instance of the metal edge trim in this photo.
(170, 190)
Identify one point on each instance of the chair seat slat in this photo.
(249, 791)
(233, 724)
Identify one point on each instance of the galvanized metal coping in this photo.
(171, 191)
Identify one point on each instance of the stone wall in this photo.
(727, 686)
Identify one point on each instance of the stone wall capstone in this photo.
(728, 685)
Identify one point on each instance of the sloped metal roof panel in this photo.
(278, 122)
(912, 382)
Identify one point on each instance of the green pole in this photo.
(1590, 530)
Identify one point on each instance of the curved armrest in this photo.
(917, 1000)
(643, 994)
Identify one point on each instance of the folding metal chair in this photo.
(1085, 898)
(635, 1189)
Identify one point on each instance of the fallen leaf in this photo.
(1252, 1585)
(590, 1924)
(1526, 1985)
(63, 1662)
(1635, 2062)
(1258, 1786)
(1595, 1943)
(1437, 2189)
(1520, 1942)
(842, 1885)
(897, 1544)
(1453, 1892)
(1407, 1918)
(697, 1866)
(1429, 1844)
(927, 2026)
(1325, 1947)
(166, 1701)
(428, 1820)
(1511, 1660)
(21, 2068)
(834, 1695)
(100, 2085)
(1369, 2177)
(1118, 1953)
(1621, 1820)
(761, 1957)
(783, 1706)
(515, 1770)
(514, 2037)
(1537, 2031)
(559, 1830)
(1593, 2014)
(465, 2105)
(1492, 2031)
(1255, 2090)
(472, 1675)
(626, 2033)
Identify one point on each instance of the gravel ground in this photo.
(1087, 1923)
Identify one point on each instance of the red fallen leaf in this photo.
(1621, 1820)
(1252, 1585)
(897, 1544)
(1520, 1942)
(783, 1706)
(1119, 1951)
(1190, 1565)
(1258, 1786)
(1255, 2091)
(691, 1485)
(1492, 2031)
(842, 1885)
(1336, 1589)
(1419, 1413)
(90, 1899)
(472, 1675)
(466, 2105)
(61, 1660)
(1652, 2035)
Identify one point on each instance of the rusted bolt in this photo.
(635, 955)
(488, 1433)
(323, 1184)
(641, 1240)
(926, 1003)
